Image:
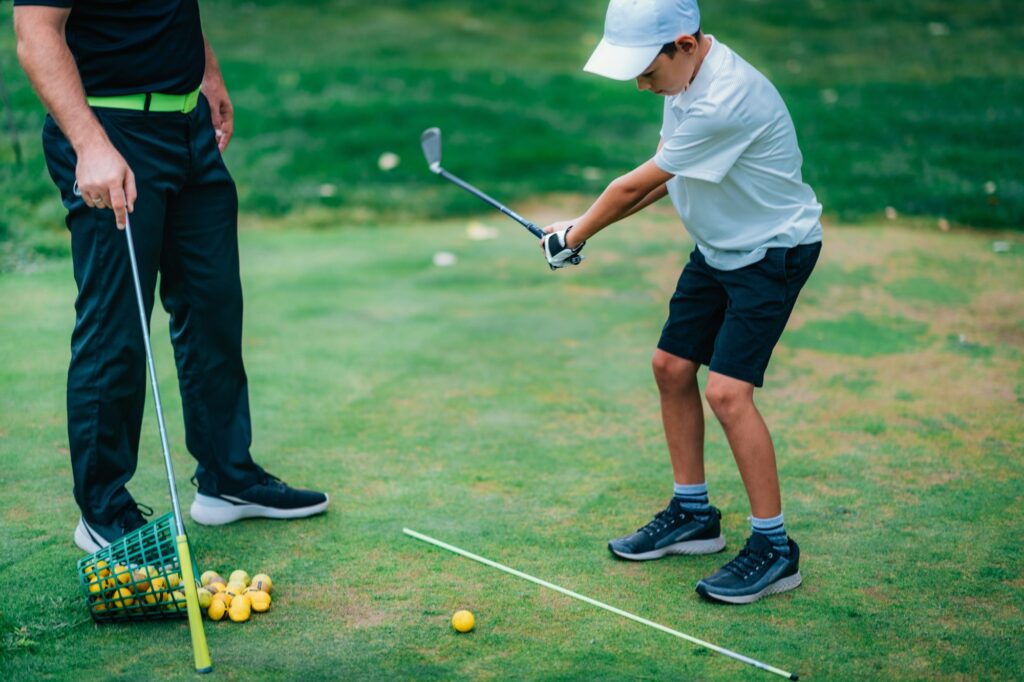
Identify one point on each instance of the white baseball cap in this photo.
(636, 30)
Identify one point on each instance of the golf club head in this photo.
(430, 140)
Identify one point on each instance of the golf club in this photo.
(430, 140)
(195, 619)
(200, 649)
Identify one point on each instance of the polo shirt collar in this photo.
(713, 60)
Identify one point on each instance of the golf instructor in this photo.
(138, 119)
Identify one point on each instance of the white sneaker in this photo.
(269, 499)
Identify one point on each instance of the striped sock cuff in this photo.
(774, 529)
(693, 498)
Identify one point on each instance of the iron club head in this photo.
(430, 140)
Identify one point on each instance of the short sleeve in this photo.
(704, 145)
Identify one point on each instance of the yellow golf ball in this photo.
(209, 577)
(217, 610)
(463, 621)
(123, 598)
(141, 576)
(240, 609)
(260, 600)
(239, 576)
(262, 582)
(123, 575)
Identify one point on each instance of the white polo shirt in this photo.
(730, 142)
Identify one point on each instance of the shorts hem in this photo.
(751, 376)
(685, 351)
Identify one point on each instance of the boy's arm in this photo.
(103, 176)
(655, 194)
(624, 196)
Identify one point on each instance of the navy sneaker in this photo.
(756, 572)
(92, 537)
(673, 531)
(270, 498)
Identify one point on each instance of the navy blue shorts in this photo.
(731, 320)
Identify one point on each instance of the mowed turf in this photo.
(510, 411)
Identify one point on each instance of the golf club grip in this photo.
(200, 649)
(536, 231)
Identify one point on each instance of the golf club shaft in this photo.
(537, 232)
(178, 524)
(594, 602)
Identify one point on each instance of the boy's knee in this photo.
(728, 397)
(673, 373)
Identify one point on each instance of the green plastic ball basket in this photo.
(137, 577)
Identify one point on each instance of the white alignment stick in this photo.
(594, 602)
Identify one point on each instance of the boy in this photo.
(729, 159)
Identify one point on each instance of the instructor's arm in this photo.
(222, 113)
(103, 176)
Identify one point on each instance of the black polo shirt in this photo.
(128, 46)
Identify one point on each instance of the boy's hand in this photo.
(559, 226)
(556, 247)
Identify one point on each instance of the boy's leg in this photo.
(682, 414)
(688, 525)
(732, 401)
(762, 296)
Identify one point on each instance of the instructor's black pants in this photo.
(185, 226)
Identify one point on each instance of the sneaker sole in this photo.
(690, 547)
(784, 585)
(213, 511)
(86, 541)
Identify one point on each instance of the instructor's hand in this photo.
(221, 110)
(104, 180)
(556, 247)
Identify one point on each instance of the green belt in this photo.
(148, 101)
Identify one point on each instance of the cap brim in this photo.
(620, 63)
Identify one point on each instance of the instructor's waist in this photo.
(149, 101)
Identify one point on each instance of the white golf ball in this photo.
(444, 259)
(388, 160)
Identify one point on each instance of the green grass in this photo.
(856, 334)
(913, 105)
(511, 411)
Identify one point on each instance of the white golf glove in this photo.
(558, 253)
